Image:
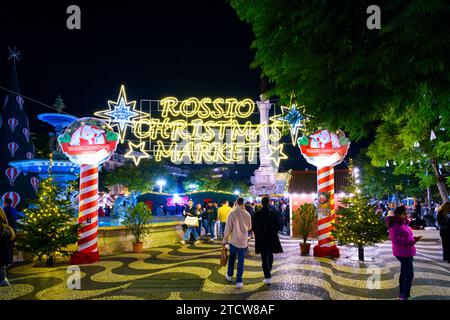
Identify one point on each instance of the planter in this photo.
(305, 248)
(138, 247)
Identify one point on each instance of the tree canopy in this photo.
(345, 74)
(395, 80)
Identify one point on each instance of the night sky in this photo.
(173, 48)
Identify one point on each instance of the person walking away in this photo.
(7, 236)
(191, 212)
(223, 213)
(287, 220)
(199, 213)
(211, 217)
(238, 224)
(436, 210)
(249, 208)
(403, 248)
(217, 224)
(265, 224)
(444, 229)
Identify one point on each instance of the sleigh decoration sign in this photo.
(88, 141)
(324, 148)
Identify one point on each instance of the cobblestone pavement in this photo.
(193, 272)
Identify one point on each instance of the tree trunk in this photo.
(361, 253)
(439, 181)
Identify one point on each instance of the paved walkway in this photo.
(193, 272)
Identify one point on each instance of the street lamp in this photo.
(237, 192)
(161, 183)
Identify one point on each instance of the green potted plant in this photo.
(305, 222)
(137, 220)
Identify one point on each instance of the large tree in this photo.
(417, 139)
(353, 78)
(343, 72)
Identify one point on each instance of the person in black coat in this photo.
(266, 223)
(443, 219)
(7, 236)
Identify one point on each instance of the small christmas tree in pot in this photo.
(305, 219)
(137, 220)
(358, 224)
(48, 226)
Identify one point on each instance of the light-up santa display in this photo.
(88, 142)
(324, 150)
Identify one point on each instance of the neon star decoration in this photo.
(14, 54)
(141, 154)
(277, 150)
(294, 118)
(121, 113)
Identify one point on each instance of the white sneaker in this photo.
(197, 242)
(229, 279)
(5, 283)
(239, 285)
(183, 242)
(267, 281)
(212, 239)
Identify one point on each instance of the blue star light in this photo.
(121, 113)
(293, 118)
(14, 54)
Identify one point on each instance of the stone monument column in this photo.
(264, 179)
(264, 107)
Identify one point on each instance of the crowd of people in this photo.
(420, 215)
(235, 226)
(212, 218)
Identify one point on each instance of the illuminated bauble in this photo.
(88, 141)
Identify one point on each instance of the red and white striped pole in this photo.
(87, 217)
(326, 214)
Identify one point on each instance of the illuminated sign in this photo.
(324, 148)
(193, 130)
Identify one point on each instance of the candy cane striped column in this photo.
(87, 217)
(326, 246)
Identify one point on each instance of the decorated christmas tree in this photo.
(15, 144)
(48, 226)
(357, 222)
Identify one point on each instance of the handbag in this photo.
(191, 221)
(224, 257)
